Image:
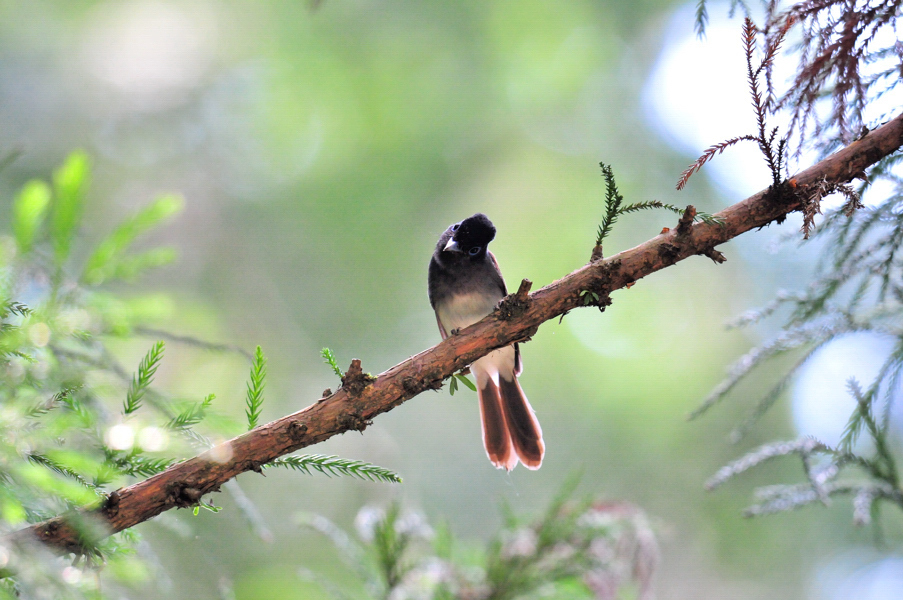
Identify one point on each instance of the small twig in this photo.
(596, 254)
(686, 220)
(193, 341)
(715, 255)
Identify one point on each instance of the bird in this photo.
(465, 285)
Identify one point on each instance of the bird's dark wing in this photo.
(498, 271)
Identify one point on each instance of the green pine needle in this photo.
(390, 543)
(11, 307)
(45, 407)
(255, 388)
(138, 466)
(329, 359)
(335, 466)
(108, 259)
(700, 216)
(129, 268)
(143, 378)
(85, 415)
(638, 206)
(59, 468)
(613, 200)
(70, 182)
(192, 415)
(613, 208)
(29, 211)
(702, 19)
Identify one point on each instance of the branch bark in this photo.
(517, 318)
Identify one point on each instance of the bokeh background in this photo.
(322, 151)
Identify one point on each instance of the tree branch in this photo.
(518, 317)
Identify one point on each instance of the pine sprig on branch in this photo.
(61, 469)
(614, 208)
(191, 416)
(575, 549)
(143, 378)
(710, 153)
(330, 359)
(140, 466)
(772, 147)
(334, 466)
(256, 383)
(649, 204)
(11, 307)
(67, 447)
(613, 200)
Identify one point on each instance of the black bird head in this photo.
(470, 237)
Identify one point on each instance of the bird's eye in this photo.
(474, 251)
(455, 226)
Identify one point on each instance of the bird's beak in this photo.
(452, 246)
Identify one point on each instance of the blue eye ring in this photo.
(455, 226)
(474, 251)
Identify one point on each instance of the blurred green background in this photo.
(321, 153)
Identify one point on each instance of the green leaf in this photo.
(142, 380)
(107, 259)
(69, 183)
(29, 210)
(463, 379)
(588, 297)
(255, 388)
(452, 385)
(207, 506)
(335, 466)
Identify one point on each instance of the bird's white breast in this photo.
(465, 309)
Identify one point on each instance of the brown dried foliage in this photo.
(708, 155)
(838, 38)
(773, 148)
(811, 203)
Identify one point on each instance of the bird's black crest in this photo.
(475, 230)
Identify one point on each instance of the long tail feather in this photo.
(523, 427)
(495, 431)
(511, 432)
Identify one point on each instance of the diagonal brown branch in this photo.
(361, 399)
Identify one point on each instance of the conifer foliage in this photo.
(848, 61)
(77, 424)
